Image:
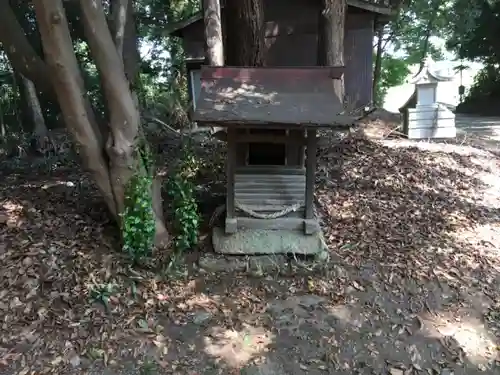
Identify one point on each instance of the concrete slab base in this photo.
(258, 241)
(264, 265)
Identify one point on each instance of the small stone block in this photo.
(231, 225)
(261, 241)
(311, 226)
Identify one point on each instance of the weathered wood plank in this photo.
(270, 202)
(269, 208)
(299, 214)
(260, 198)
(264, 74)
(268, 189)
(261, 138)
(271, 182)
(276, 224)
(278, 190)
(283, 180)
(231, 159)
(295, 151)
(270, 185)
(271, 170)
(312, 143)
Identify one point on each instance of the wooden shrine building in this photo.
(272, 116)
(291, 39)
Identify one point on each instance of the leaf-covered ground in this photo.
(412, 285)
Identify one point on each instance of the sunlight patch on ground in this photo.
(58, 183)
(469, 333)
(495, 133)
(11, 213)
(347, 316)
(47, 185)
(491, 193)
(435, 147)
(486, 235)
(473, 162)
(237, 348)
(197, 301)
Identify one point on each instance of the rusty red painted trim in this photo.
(249, 74)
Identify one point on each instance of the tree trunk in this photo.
(428, 32)
(23, 113)
(129, 52)
(331, 39)
(3, 128)
(68, 84)
(111, 172)
(425, 46)
(125, 37)
(19, 50)
(378, 65)
(124, 32)
(214, 48)
(119, 16)
(124, 116)
(245, 33)
(40, 131)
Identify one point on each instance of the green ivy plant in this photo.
(101, 293)
(138, 220)
(180, 187)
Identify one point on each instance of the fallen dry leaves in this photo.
(69, 299)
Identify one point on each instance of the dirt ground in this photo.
(412, 285)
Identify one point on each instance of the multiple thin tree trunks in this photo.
(109, 152)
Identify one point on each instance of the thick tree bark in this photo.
(124, 32)
(40, 132)
(131, 59)
(245, 45)
(119, 16)
(378, 65)
(68, 84)
(331, 39)
(19, 50)
(124, 115)
(111, 173)
(214, 47)
(23, 114)
(131, 55)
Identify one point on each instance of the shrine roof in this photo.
(283, 97)
(430, 72)
(379, 7)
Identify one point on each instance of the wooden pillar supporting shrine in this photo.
(310, 222)
(231, 224)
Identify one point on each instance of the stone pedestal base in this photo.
(258, 241)
(430, 121)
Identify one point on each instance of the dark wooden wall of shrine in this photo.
(291, 40)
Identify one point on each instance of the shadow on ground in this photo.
(411, 287)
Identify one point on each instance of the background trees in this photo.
(469, 30)
(22, 53)
(407, 39)
(474, 28)
(78, 65)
